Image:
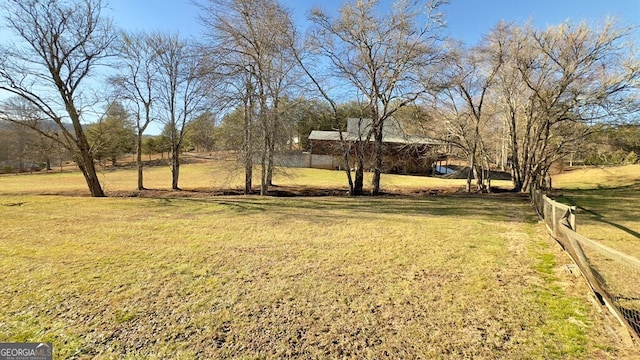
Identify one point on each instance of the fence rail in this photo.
(611, 274)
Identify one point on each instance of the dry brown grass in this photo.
(268, 278)
(212, 176)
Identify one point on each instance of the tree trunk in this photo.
(264, 186)
(478, 174)
(272, 130)
(248, 176)
(270, 157)
(347, 169)
(379, 157)
(175, 167)
(139, 163)
(516, 175)
(270, 169)
(247, 148)
(86, 163)
(358, 185)
(472, 164)
(88, 169)
(248, 161)
(248, 153)
(503, 152)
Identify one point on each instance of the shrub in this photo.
(631, 158)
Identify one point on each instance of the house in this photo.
(403, 153)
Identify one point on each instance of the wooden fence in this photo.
(613, 275)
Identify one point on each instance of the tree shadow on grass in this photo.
(614, 198)
(334, 204)
(600, 218)
(482, 207)
(603, 189)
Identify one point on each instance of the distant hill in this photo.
(45, 124)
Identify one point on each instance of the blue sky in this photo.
(467, 20)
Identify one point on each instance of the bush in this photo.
(8, 169)
(631, 158)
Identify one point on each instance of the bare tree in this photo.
(252, 38)
(248, 106)
(138, 74)
(472, 73)
(182, 91)
(62, 43)
(554, 82)
(346, 145)
(239, 126)
(383, 57)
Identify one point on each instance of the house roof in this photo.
(410, 139)
(391, 127)
(326, 135)
(391, 134)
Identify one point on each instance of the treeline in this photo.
(611, 145)
(522, 98)
(113, 137)
(24, 150)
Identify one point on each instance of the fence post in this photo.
(554, 219)
(563, 229)
(572, 218)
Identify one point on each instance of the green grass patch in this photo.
(566, 320)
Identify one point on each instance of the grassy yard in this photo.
(607, 201)
(254, 278)
(210, 176)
